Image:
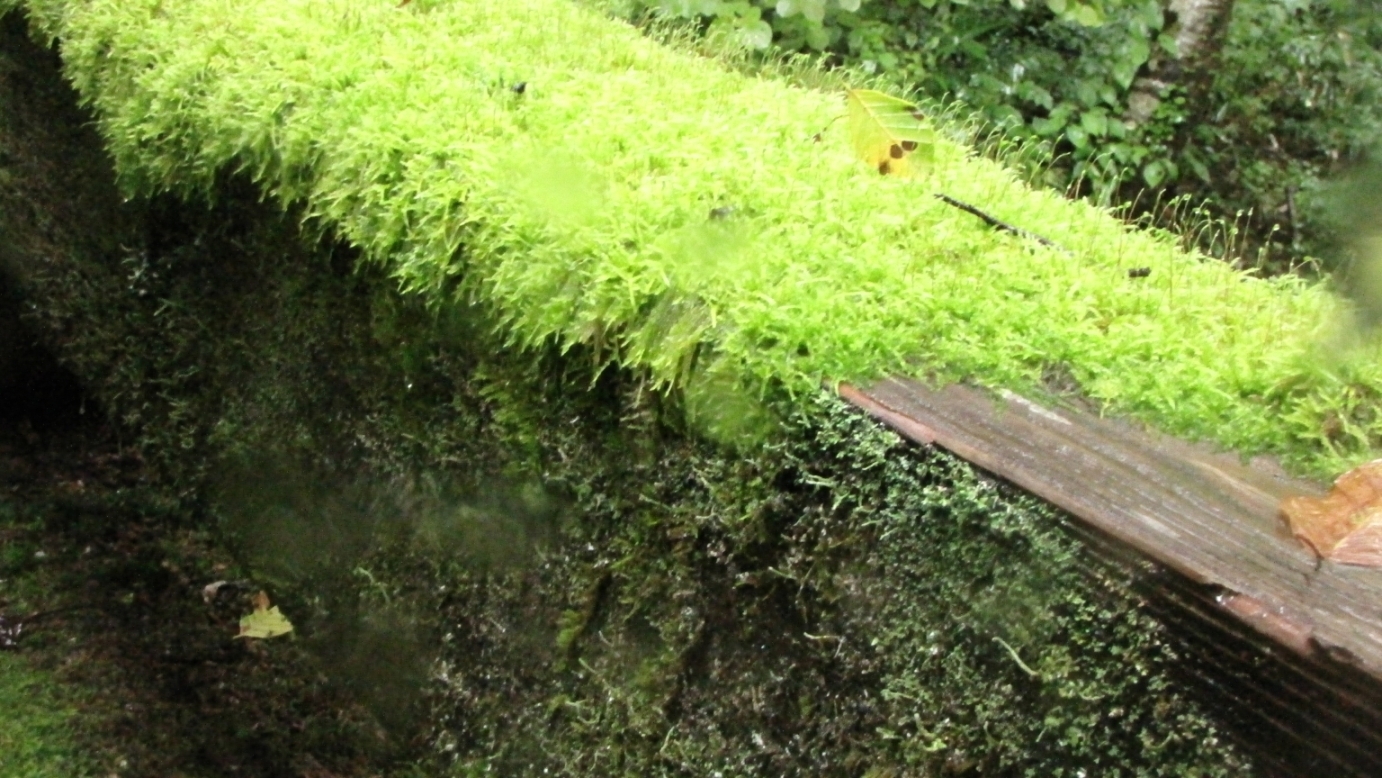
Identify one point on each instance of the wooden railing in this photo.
(1303, 685)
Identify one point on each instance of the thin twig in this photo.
(998, 224)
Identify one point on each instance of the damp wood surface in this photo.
(1206, 516)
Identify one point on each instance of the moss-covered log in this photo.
(535, 542)
(585, 210)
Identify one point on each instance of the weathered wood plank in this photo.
(1212, 523)
(1206, 516)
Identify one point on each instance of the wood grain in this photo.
(1290, 645)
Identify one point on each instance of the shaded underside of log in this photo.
(1290, 649)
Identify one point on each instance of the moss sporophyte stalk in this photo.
(580, 212)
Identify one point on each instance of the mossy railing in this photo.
(583, 209)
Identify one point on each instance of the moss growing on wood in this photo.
(830, 602)
(586, 207)
(834, 603)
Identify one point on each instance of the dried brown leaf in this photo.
(1345, 525)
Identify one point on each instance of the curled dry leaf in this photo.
(1344, 526)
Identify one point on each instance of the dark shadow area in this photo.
(36, 393)
(102, 560)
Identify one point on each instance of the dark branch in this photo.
(998, 224)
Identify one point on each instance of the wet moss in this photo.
(564, 576)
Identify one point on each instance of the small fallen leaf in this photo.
(1344, 526)
(889, 133)
(265, 621)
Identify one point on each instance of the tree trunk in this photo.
(1198, 28)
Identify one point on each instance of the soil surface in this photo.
(102, 581)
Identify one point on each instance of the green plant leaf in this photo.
(1154, 173)
(1094, 122)
(1086, 15)
(889, 133)
(756, 35)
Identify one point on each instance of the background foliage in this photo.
(1290, 102)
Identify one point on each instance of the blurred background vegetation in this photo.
(1184, 113)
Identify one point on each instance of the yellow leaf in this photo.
(265, 622)
(890, 134)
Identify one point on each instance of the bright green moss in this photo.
(580, 210)
(35, 736)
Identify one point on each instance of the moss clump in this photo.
(837, 604)
(35, 733)
(580, 210)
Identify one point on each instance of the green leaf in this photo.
(1094, 122)
(889, 133)
(1154, 173)
(1086, 15)
(1130, 58)
(849, 5)
(1048, 126)
(756, 35)
(264, 622)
